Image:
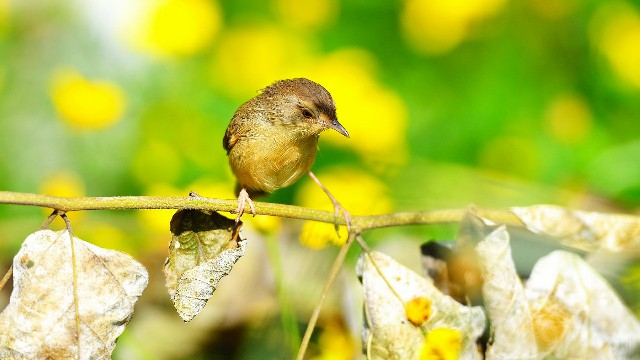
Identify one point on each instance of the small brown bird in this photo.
(272, 139)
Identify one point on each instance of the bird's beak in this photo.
(335, 125)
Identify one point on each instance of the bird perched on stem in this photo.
(272, 139)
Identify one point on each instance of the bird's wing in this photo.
(230, 139)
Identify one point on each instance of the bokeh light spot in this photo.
(86, 104)
(374, 115)
(250, 58)
(177, 27)
(435, 27)
(314, 14)
(568, 119)
(616, 32)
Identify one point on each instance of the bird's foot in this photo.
(337, 207)
(243, 199)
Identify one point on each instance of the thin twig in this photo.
(74, 269)
(333, 274)
(6, 277)
(359, 223)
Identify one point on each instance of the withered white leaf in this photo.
(387, 333)
(565, 311)
(40, 320)
(577, 314)
(202, 251)
(505, 300)
(585, 230)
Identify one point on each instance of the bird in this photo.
(272, 139)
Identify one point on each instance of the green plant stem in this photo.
(69, 204)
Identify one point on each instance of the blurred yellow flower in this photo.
(436, 27)
(86, 104)
(5, 12)
(265, 224)
(109, 237)
(616, 32)
(64, 184)
(157, 221)
(418, 310)
(249, 58)
(441, 344)
(375, 116)
(568, 119)
(177, 27)
(317, 235)
(314, 13)
(358, 192)
(335, 343)
(209, 187)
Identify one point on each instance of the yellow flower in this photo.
(616, 32)
(568, 119)
(86, 104)
(64, 184)
(358, 192)
(156, 222)
(265, 224)
(5, 12)
(365, 107)
(441, 344)
(418, 310)
(314, 13)
(316, 235)
(335, 343)
(436, 27)
(249, 58)
(177, 27)
(109, 237)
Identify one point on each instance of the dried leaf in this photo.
(565, 311)
(505, 300)
(40, 320)
(388, 334)
(202, 251)
(584, 230)
(577, 314)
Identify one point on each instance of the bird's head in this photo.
(306, 105)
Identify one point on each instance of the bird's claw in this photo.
(337, 209)
(243, 199)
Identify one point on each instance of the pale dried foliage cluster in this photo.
(72, 299)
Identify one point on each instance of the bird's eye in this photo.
(307, 114)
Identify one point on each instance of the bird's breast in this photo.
(268, 164)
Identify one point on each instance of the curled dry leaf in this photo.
(505, 300)
(585, 230)
(565, 311)
(387, 333)
(577, 314)
(40, 320)
(202, 251)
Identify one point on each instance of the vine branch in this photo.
(360, 223)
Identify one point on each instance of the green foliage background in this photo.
(531, 104)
